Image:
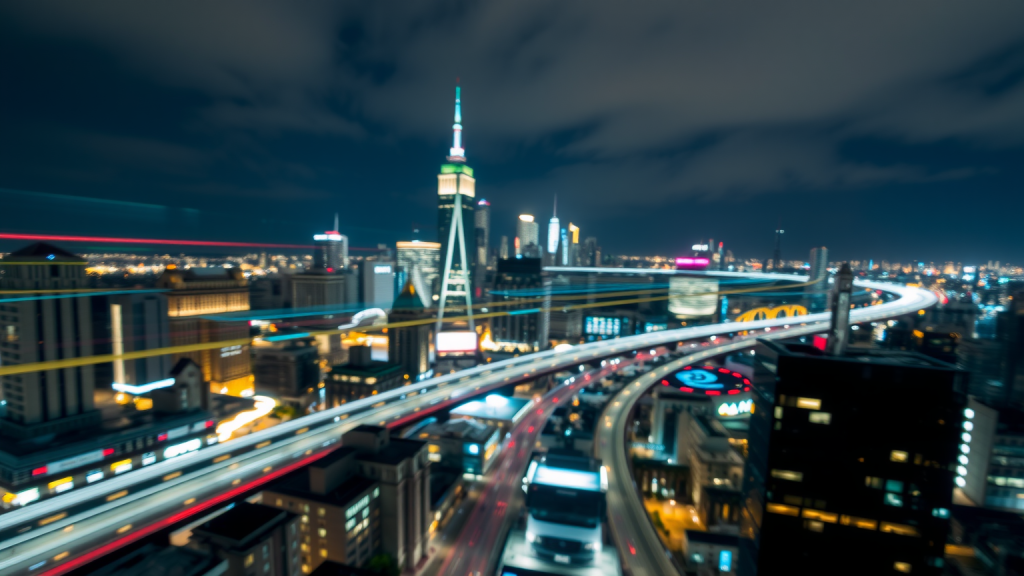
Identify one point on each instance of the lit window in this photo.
(778, 412)
(783, 509)
(815, 526)
(305, 568)
(323, 532)
(376, 492)
(305, 508)
(901, 529)
(894, 486)
(940, 512)
(898, 456)
(323, 552)
(893, 499)
(865, 523)
(795, 500)
(249, 560)
(278, 503)
(322, 512)
(821, 515)
(901, 567)
(820, 417)
(808, 403)
(305, 519)
(874, 482)
(788, 475)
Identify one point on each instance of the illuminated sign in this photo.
(603, 326)
(183, 448)
(700, 247)
(27, 497)
(333, 236)
(62, 485)
(725, 561)
(729, 409)
(688, 263)
(80, 460)
(142, 388)
(456, 342)
(566, 478)
(698, 378)
(382, 269)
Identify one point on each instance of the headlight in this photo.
(595, 546)
(531, 537)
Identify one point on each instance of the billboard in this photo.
(456, 342)
(602, 326)
(692, 297)
(692, 263)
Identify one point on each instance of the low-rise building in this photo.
(495, 410)
(156, 560)
(462, 444)
(255, 540)
(362, 376)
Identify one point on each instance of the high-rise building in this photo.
(526, 332)
(553, 229)
(818, 274)
(287, 368)
(255, 539)
(527, 237)
(456, 192)
(137, 322)
(194, 295)
(503, 252)
(378, 278)
(421, 263)
(574, 245)
(50, 401)
(562, 257)
(410, 345)
(319, 289)
(331, 250)
(483, 233)
(776, 260)
(852, 461)
(591, 252)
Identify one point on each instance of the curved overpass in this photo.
(57, 535)
(634, 534)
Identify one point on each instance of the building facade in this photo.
(421, 262)
(255, 540)
(409, 346)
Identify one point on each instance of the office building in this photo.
(527, 237)
(330, 250)
(456, 192)
(339, 508)
(573, 246)
(591, 254)
(483, 233)
(421, 263)
(271, 292)
(503, 250)
(554, 230)
(287, 367)
(462, 444)
(520, 284)
(136, 322)
(255, 540)
(403, 471)
(187, 392)
(985, 360)
(852, 461)
(409, 346)
(995, 463)
(51, 401)
(196, 294)
(378, 282)
(320, 289)
(362, 377)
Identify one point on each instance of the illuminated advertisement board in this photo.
(456, 342)
(603, 325)
(692, 297)
(692, 263)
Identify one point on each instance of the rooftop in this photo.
(493, 407)
(461, 428)
(376, 369)
(712, 538)
(243, 522)
(297, 485)
(154, 560)
(42, 252)
(397, 450)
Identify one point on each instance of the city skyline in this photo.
(193, 135)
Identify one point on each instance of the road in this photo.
(482, 538)
(640, 547)
(56, 535)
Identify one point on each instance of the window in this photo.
(305, 508)
(814, 526)
(898, 456)
(305, 519)
(865, 523)
(901, 567)
(901, 529)
(894, 486)
(323, 532)
(940, 512)
(278, 503)
(795, 500)
(778, 412)
(322, 512)
(893, 499)
(874, 482)
(808, 403)
(376, 492)
(829, 517)
(783, 509)
(820, 417)
(788, 475)
(323, 552)
(249, 560)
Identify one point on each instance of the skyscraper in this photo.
(503, 250)
(421, 262)
(553, 229)
(410, 345)
(483, 232)
(456, 189)
(528, 236)
(818, 274)
(852, 462)
(574, 245)
(37, 330)
(591, 252)
(330, 250)
(776, 262)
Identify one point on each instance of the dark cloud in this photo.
(710, 104)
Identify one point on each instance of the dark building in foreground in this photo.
(521, 287)
(255, 540)
(852, 462)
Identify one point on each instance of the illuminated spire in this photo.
(457, 153)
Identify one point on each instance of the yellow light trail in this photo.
(12, 369)
(264, 405)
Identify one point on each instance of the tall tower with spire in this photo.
(553, 229)
(456, 192)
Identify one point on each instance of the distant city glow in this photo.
(110, 240)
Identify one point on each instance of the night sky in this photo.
(879, 129)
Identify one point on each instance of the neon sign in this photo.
(729, 409)
(700, 379)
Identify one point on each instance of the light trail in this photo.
(264, 405)
(110, 240)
